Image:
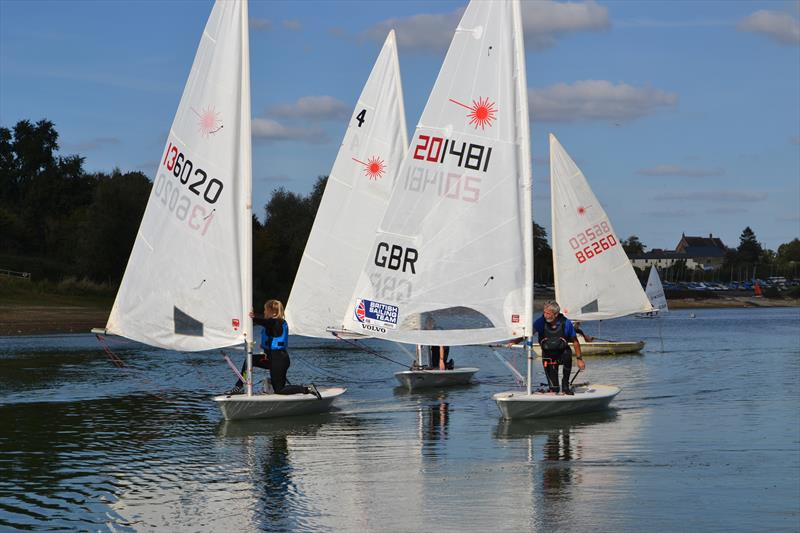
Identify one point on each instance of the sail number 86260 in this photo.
(593, 241)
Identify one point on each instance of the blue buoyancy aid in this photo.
(281, 342)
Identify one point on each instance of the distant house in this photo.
(707, 253)
(660, 259)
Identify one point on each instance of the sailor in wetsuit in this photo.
(274, 342)
(555, 333)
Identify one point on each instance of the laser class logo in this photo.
(582, 209)
(481, 112)
(373, 168)
(235, 323)
(209, 121)
(376, 315)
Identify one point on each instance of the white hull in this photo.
(587, 398)
(604, 348)
(241, 406)
(420, 379)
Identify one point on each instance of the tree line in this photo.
(59, 221)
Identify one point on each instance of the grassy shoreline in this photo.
(54, 314)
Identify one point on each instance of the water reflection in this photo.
(555, 450)
(433, 420)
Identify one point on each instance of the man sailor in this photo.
(556, 332)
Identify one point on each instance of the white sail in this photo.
(355, 199)
(451, 262)
(187, 285)
(655, 291)
(594, 279)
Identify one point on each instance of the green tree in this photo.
(40, 191)
(279, 244)
(749, 250)
(632, 245)
(109, 226)
(789, 252)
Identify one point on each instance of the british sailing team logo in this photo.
(373, 168)
(209, 121)
(482, 112)
(375, 316)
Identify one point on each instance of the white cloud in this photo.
(271, 130)
(421, 33)
(543, 22)
(596, 100)
(676, 170)
(656, 23)
(258, 24)
(781, 27)
(312, 108)
(292, 25)
(713, 196)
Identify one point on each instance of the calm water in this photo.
(705, 436)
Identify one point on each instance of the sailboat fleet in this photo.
(446, 257)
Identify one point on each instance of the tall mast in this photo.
(246, 168)
(523, 138)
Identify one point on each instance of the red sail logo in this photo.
(482, 112)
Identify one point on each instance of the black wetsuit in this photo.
(277, 361)
(556, 351)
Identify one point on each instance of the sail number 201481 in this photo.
(592, 241)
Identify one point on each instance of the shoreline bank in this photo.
(23, 320)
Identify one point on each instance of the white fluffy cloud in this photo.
(312, 108)
(677, 170)
(543, 22)
(271, 130)
(596, 100)
(781, 27)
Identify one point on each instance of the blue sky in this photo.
(684, 116)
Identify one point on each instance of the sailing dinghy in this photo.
(420, 377)
(188, 282)
(594, 279)
(451, 263)
(655, 293)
